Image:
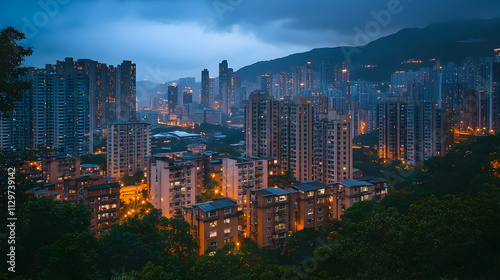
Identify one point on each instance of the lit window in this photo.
(227, 230)
(213, 224)
(212, 234)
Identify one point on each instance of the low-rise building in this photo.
(351, 191)
(271, 216)
(56, 168)
(103, 202)
(213, 223)
(314, 204)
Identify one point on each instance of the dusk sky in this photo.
(179, 38)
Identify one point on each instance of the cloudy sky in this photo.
(168, 39)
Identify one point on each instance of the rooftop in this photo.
(310, 185)
(272, 191)
(84, 177)
(354, 183)
(218, 203)
(103, 186)
(89, 165)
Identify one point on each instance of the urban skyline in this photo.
(383, 150)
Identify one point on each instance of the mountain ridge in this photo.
(450, 41)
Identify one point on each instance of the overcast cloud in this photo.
(179, 38)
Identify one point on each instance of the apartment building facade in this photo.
(172, 184)
(213, 223)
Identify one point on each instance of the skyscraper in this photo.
(125, 97)
(308, 78)
(495, 93)
(187, 96)
(173, 97)
(211, 95)
(205, 88)
(224, 87)
(265, 83)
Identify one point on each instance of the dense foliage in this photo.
(441, 223)
(12, 56)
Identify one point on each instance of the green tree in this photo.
(152, 237)
(134, 179)
(283, 180)
(12, 56)
(236, 262)
(41, 223)
(73, 256)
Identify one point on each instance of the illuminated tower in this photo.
(205, 88)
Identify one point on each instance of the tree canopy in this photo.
(12, 56)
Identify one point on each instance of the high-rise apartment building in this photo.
(262, 129)
(332, 148)
(67, 102)
(413, 132)
(241, 174)
(391, 120)
(284, 131)
(296, 137)
(172, 183)
(128, 146)
(125, 96)
(59, 111)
